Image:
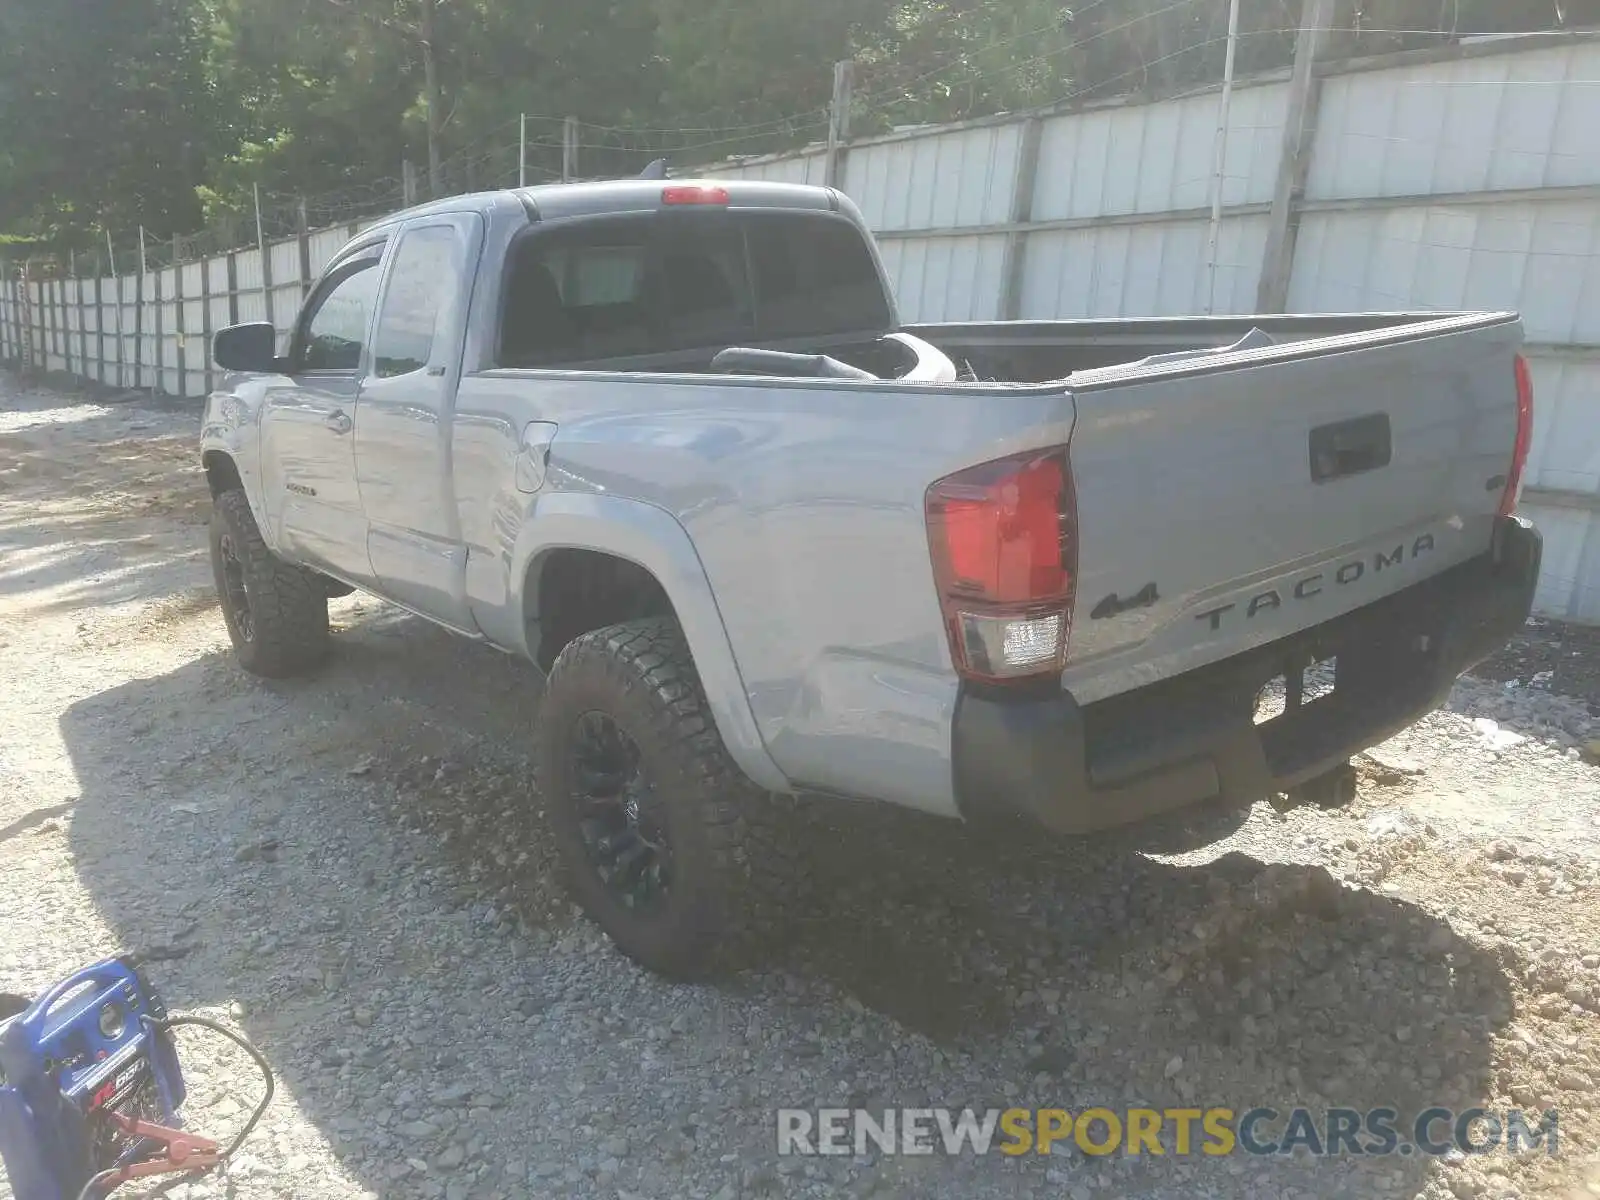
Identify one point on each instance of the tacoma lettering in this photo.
(1311, 585)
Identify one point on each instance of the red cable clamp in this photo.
(184, 1151)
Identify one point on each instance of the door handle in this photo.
(339, 421)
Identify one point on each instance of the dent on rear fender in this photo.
(229, 427)
(652, 538)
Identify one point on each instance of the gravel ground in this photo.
(352, 869)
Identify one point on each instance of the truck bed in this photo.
(1202, 529)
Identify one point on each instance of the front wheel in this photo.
(645, 806)
(277, 614)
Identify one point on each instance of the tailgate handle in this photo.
(1350, 447)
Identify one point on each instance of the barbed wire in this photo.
(490, 160)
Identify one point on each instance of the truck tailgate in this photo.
(1228, 500)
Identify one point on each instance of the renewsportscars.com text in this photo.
(1176, 1131)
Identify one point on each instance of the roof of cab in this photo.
(552, 201)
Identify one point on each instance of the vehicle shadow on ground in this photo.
(243, 831)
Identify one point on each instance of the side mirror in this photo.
(249, 347)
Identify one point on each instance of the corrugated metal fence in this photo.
(1464, 178)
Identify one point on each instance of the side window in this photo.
(336, 329)
(422, 286)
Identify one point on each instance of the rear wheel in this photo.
(645, 805)
(277, 614)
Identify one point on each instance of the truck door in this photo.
(402, 435)
(307, 423)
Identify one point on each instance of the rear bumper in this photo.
(1077, 768)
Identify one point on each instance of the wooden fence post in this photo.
(99, 323)
(180, 351)
(66, 323)
(138, 332)
(122, 347)
(160, 384)
(83, 324)
(205, 318)
(1294, 159)
(1014, 262)
(266, 264)
(569, 150)
(844, 75)
(55, 314)
(305, 250)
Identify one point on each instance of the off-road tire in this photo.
(281, 629)
(640, 675)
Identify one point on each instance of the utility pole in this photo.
(430, 74)
(522, 151)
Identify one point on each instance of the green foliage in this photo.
(107, 112)
(167, 113)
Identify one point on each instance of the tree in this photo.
(107, 112)
(162, 112)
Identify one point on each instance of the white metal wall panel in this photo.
(56, 338)
(247, 276)
(72, 321)
(1540, 258)
(325, 244)
(1159, 157)
(52, 321)
(1569, 581)
(221, 311)
(165, 337)
(111, 340)
(946, 278)
(193, 324)
(286, 299)
(285, 262)
(1525, 120)
(1154, 269)
(146, 335)
(1566, 435)
(941, 181)
(89, 316)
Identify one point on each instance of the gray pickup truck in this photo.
(669, 441)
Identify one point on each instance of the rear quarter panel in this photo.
(803, 501)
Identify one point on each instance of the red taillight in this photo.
(1519, 452)
(694, 194)
(1005, 551)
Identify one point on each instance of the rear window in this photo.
(654, 284)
